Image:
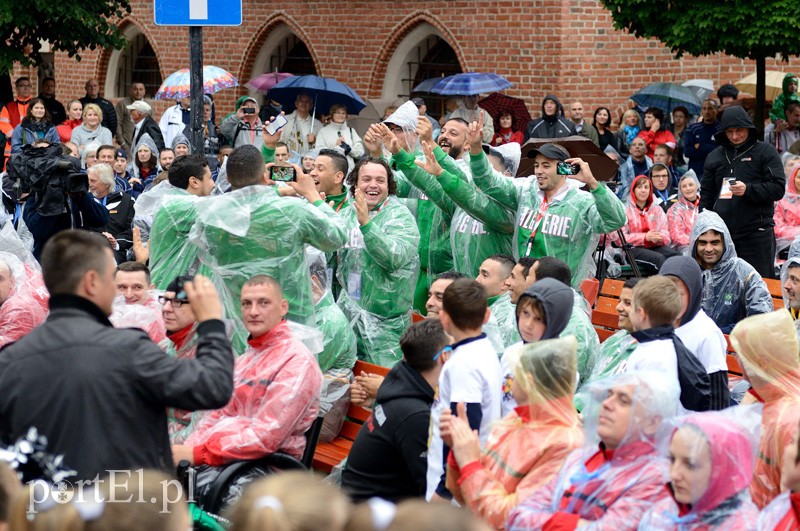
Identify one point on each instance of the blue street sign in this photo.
(198, 12)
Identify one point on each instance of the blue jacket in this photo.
(702, 135)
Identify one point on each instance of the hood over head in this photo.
(181, 139)
(788, 78)
(559, 108)
(636, 181)
(557, 299)
(735, 116)
(690, 174)
(512, 153)
(710, 220)
(405, 116)
(766, 344)
(688, 270)
(145, 140)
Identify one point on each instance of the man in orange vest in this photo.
(12, 114)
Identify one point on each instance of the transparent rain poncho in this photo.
(611, 489)
(611, 360)
(145, 316)
(253, 231)
(275, 399)
(767, 348)
(525, 449)
(501, 329)
(732, 289)
(377, 269)
(712, 455)
(781, 514)
(569, 227)
(25, 306)
(792, 264)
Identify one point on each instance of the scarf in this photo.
(631, 132)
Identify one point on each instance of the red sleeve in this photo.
(561, 521)
(468, 470)
(648, 137)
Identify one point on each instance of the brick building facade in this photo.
(381, 49)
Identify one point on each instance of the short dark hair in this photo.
(162, 150)
(421, 342)
(465, 302)
(791, 105)
(656, 113)
(552, 267)
(186, 166)
(20, 80)
(526, 263)
(67, 257)
(264, 280)
(450, 275)
(505, 260)
(339, 161)
(134, 267)
(105, 147)
(682, 109)
(666, 148)
(460, 120)
(245, 166)
(279, 144)
(631, 282)
(352, 177)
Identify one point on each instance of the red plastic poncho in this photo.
(641, 221)
(787, 214)
(145, 316)
(26, 305)
(275, 400)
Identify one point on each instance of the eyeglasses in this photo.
(445, 350)
(176, 303)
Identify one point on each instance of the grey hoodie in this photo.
(732, 289)
(181, 139)
(557, 300)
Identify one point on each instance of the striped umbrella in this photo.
(176, 86)
(471, 84)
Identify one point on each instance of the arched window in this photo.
(136, 62)
(283, 51)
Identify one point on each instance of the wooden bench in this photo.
(328, 455)
(775, 288)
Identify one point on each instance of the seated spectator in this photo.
(91, 129)
(74, 119)
(767, 348)
(103, 186)
(120, 166)
(638, 163)
(732, 288)
(695, 328)
(602, 123)
(338, 134)
(653, 133)
(505, 130)
(276, 388)
(388, 457)
(712, 458)
(664, 154)
(630, 126)
(108, 155)
(656, 306)
(493, 276)
(788, 94)
(526, 448)
(180, 146)
(472, 375)
(663, 192)
(646, 229)
(613, 485)
(787, 213)
(790, 280)
(19, 311)
(89, 156)
(682, 213)
(552, 124)
(145, 165)
(783, 513)
(35, 126)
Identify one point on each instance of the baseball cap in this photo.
(120, 153)
(551, 151)
(141, 106)
(419, 102)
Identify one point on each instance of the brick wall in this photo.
(567, 47)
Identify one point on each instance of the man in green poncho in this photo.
(377, 268)
(254, 231)
(553, 217)
(493, 275)
(169, 253)
(790, 86)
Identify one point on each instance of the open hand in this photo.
(362, 209)
(430, 165)
(372, 141)
(475, 135)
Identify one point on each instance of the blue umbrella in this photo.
(667, 96)
(471, 84)
(427, 85)
(326, 91)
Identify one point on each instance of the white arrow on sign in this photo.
(198, 9)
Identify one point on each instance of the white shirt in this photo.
(705, 340)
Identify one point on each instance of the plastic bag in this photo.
(334, 401)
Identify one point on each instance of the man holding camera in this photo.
(244, 127)
(742, 179)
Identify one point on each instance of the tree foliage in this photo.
(748, 30)
(68, 25)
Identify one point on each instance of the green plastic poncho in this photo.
(377, 269)
(612, 360)
(254, 231)
(580, 326)
(479, 227)
(502, 326)
(570, 227)
(779, 105)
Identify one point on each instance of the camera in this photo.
(564, 168)
(248, 110)
(282, 174)
(77, 183)
(48, 176)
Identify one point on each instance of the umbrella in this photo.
(427, 85)
(667, 96)
(774, 84)
(702, 88)
(603, 168)
(326, 91)
(496, 104)
(176, 86)
(264, 82)
(471, 84)
(368, 116)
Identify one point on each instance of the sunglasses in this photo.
(445, 350)
(176, 303)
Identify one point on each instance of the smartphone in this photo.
(248, 110)
(275, 125)
(282, 174)
(564, 168)
(730, 180)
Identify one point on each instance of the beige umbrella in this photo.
(774, 84)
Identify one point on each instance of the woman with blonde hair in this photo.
(290, 501)
(527, 448)
(629, 128)
(91, 129)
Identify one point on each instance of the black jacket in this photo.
(151, 128)
(120, 206)
(55, 109)
(109, 113)
(755, 163)
(389, 455)
(100, 394)
(551, 126)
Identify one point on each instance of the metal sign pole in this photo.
(196, 88)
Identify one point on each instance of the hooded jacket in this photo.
(732, 289)
(787, 214)
(178, 139)
(768, 350)
(137, 188)
(643, 220)
(551, 125)
(726, 503)
(388, 457)
(20, 313)
(755, 163)
(25, 134)
(782, 513)
(501, 329)
(779, 104)
(172, 124)
(681, 215)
